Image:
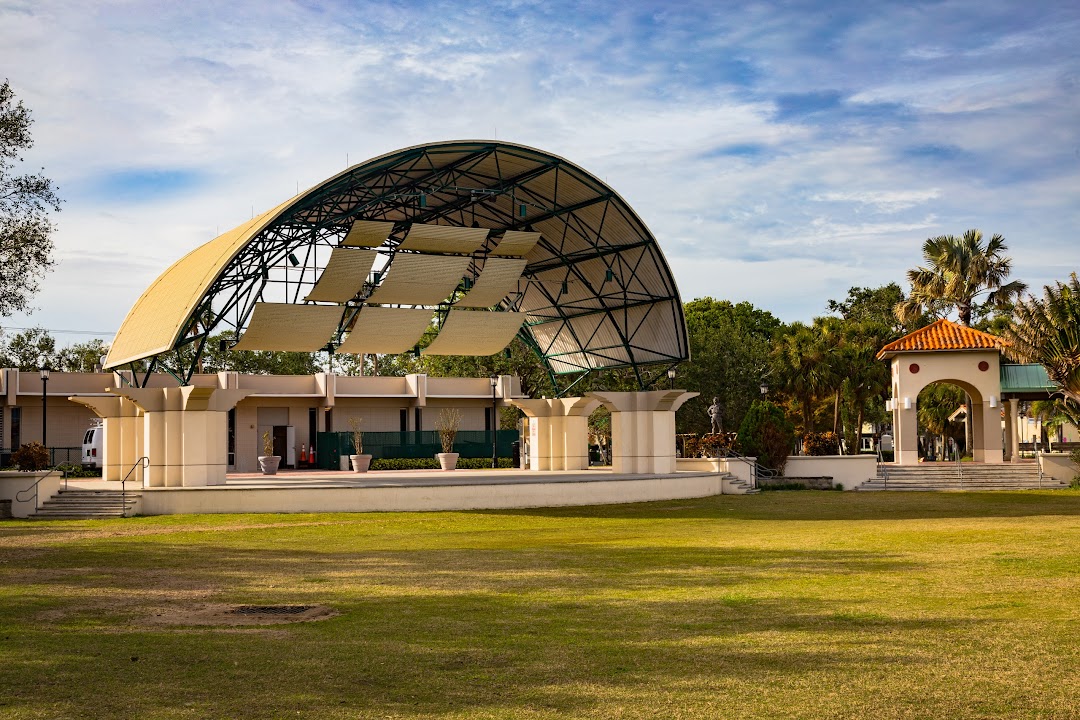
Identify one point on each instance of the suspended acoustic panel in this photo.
(343, 276)
(444, 239)
(368, 233)
(386, 330)
(498, 279)
(516, 243)
(420, 279)
(467, 332)
(287, 327)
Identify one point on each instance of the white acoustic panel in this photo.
(498, 279)
(419, 279)
(447, 239)
(386, 330)
(287, 327)
(368, 233)
(343, 276)
(475, 333)
(516, 243)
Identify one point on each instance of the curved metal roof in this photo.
(596, 289)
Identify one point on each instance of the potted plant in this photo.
(448, 423)
(268, 461)
(360, 461)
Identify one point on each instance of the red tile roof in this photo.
(943, 335)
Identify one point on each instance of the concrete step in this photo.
(87, 505)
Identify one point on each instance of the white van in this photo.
(91, 447)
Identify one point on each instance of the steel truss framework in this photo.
(597, 290)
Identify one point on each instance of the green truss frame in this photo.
(487, 184)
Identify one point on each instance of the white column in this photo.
(643, 429)
(184, 433)
(558, 432)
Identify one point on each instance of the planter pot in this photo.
(447, 461)
(360, 463)
(269, 464)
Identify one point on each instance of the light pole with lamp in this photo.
(671, 378)
(764, 390)
(45, 409)
(494, 379)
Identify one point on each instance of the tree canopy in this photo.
(25, 201)
(961, 274)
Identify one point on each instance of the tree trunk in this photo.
(858, 428)
(836, 414)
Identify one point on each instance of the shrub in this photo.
(783, 486)
(78, 471)
(1075, 457)
(826, 443)
(692, 447)
(713, 443)
(31, 456)
(433, 464)
(766, 434)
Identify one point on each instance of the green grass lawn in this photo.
(785, 604)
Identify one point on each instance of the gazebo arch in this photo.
(945, 352)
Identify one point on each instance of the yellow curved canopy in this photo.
(158, 317)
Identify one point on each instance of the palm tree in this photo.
(804, 362)
(1047, 331)
(958, 271)
(864, 375)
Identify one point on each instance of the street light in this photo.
(671, 378)
(764, 390)
(494, 379)
(44, 406)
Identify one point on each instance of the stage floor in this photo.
(414, 490)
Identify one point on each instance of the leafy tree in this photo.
(82, 357)
(1047, 331)
(30, 350)
(805, 363)
(864, 376)
(767, 434)
(937, 403)
(958, 272)
(25, 200)
(874, 305)
(729, 351)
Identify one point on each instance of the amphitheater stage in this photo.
(302, 491)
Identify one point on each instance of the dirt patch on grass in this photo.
(224, 615)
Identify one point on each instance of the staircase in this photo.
(945, 476)
(87, 505)
(736, 486)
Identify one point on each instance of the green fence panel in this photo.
(412, 444)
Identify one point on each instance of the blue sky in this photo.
(780, 152)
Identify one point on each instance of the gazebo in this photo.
(970, 359)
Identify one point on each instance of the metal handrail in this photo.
(960, 470)
(756, 468)
(1038, 464)
(143, 462)
(19, 495)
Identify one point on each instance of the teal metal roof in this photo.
(1026, 379)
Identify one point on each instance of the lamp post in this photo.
(764, 390)
(44, 407)
(494, 379)
(671, 378)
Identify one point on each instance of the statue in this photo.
(714, 415)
